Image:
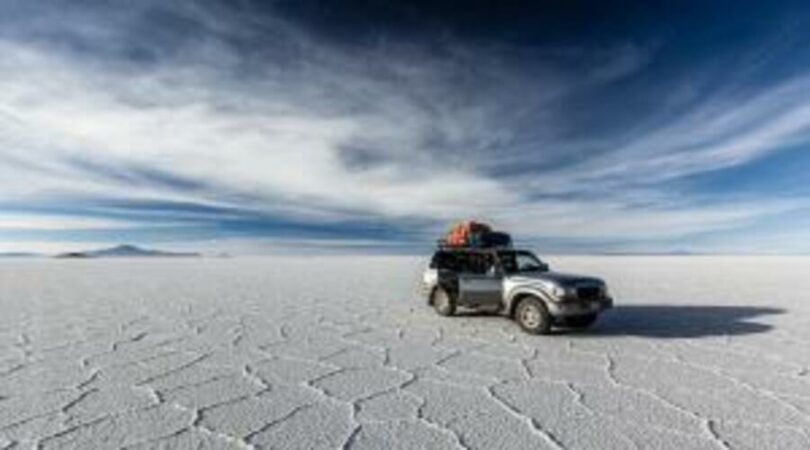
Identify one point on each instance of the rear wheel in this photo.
(443, 303)
(532, 315)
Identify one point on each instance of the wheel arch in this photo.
(516, 296)
(431, 293)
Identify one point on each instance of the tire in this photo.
(580, 322)
(532, 315)
(443, 303)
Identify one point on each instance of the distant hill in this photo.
(125, 251)
(73, 255)
(20, 255)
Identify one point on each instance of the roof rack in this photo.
(442, 245)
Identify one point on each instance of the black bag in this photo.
(495, 239)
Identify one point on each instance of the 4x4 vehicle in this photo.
(514, 283)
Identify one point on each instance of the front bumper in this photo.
(576, 307)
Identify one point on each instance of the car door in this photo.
(479, 282)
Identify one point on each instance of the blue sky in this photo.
(255, 127)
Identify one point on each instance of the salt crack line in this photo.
(444, 359)
(524, 363)
(434, 342)
(610, 370)
(65, 409)
(196, 420)
(352, 437)
(90, 380)
(351, 334)
(387, 357)
(13, 369)
(745, 385)
(151, 392)
(580, 399)
(704, 421)
(162, 348)
(580, 402)
(708, 425)
(420, 416)
(536, 429)
(129, 340)
(175, 370)
(273, 423)
(357, 426)
(250, 374)
(28, 419)
(44, 439)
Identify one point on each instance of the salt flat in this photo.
(330, 352)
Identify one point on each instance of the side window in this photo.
(462, 262)
(509, 262)
(487, 261)
(477, 263)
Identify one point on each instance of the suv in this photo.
(514, 283)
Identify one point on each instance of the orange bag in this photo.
(463, 233)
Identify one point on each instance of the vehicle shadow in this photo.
(680, 321)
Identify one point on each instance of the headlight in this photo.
(558, 291)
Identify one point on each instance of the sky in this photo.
(256, 127)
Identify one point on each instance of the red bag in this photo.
(464, 233)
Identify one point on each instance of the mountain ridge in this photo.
(126, 251)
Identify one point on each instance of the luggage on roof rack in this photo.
(472, 234)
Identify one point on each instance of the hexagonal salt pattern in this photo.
(340, 352)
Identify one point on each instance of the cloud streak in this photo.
(263, 121)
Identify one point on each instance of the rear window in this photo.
(436, 261)
(444, 260)
(467, 262)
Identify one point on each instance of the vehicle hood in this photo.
(558, 278)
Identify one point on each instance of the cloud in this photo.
(261, 121)
(279, 142)
(39, 222)
(724, 131)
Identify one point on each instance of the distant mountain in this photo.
(125, 251)
(19, 255)
(73, 255)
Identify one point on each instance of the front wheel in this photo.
(443, 303)
(532, 315)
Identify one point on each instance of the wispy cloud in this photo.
(725, 130)
(39, 222)
(261, 121)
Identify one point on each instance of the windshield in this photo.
(517, 262)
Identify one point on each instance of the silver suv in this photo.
(514, 283)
